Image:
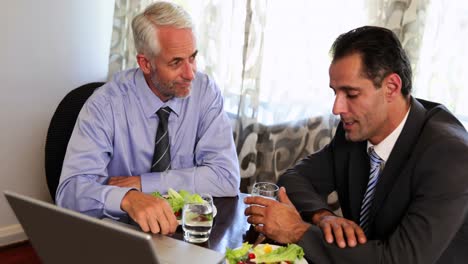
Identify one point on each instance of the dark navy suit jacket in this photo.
(419, 213)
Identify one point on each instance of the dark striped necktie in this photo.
(375, 164)
(162, 155)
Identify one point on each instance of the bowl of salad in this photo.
(265, 253)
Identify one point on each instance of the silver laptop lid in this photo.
(61, 236)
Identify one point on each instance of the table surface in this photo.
(230, 227)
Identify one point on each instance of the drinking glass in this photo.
(197, 219)
(265, 189)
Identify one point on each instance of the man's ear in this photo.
(144, 63)
(392, 86)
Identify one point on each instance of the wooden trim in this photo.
(12, 234)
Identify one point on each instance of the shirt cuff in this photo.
(150, 182)
(114, 198)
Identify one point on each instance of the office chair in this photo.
(60, 130)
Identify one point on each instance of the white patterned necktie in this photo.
(375, 164)
(162, 155)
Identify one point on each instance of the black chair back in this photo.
(60, 129)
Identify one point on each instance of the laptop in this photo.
(62, 236)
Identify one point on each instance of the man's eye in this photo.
(352, 95)
(192, 58)
(175, 63)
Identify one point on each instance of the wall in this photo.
(47, 48)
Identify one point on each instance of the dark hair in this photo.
(381, 53)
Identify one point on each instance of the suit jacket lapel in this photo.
(399, 155)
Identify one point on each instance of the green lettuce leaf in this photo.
(233, 256)
(289, 253)
(177, 199)
(157, 194)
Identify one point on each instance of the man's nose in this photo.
(339, 106)
(188, 72)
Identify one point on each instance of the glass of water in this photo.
(265, 189)
(197, 220)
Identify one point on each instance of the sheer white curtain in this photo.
(297, 38)
(441, 73)
(271, 59)
(435, 35)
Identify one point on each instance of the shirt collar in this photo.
(384, 148)
(150, 102)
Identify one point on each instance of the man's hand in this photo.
(345, 232)
(279, 221)
(126, 181)
(151, 213)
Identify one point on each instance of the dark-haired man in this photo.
(399, 165)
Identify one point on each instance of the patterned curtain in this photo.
(122, 50)
(405, 18)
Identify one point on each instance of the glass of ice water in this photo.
(197, 220)
(265, 189)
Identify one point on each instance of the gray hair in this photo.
(145, 24)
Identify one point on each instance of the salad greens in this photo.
(177, 199)
(233, 256)
(264, 254)
(289, 253)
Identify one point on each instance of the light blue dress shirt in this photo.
(115, 133)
